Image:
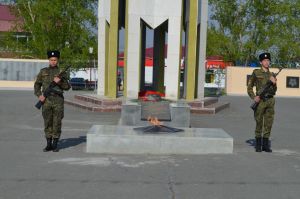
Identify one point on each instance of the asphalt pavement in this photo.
(28, 172)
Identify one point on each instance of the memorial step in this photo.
(202, 103)
(95, 104)
(209, 105)
(210, 109)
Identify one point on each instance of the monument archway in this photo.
(170, 17)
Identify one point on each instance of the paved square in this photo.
(27, 172)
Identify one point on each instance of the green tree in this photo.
(242, 29)
(286, 32)
(66, 25)
(229, 27)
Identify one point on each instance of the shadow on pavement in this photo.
(251, 142)
(71, 142)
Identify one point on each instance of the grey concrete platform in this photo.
(116, 139)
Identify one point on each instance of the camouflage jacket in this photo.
(258, 79)
(46, 76)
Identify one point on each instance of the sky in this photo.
(5, 1)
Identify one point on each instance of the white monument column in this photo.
(202, 48)
(133, 54)
(104, 18)
(172, 73)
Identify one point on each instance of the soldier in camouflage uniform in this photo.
(53, 107)
(264, 115)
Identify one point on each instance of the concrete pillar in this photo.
(142, 57)
(159, 59)
(101, 54)
(202, 49)
(103, 38)
(125, 51)
(106, 59)
(113, 49)
(172, 71)
(192, 52)
(133, 56)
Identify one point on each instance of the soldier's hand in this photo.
(56, 79)
(273, 80)
(257, 99)
(42, 98)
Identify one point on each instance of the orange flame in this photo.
(154, 121)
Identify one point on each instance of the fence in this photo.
(20, 69)
(287, 81)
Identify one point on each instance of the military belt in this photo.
(267, 97)
(56, 95)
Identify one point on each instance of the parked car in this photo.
(77, 83)
(90, 85)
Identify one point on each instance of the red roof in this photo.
(7, 18)
(5, 13)
(148, 62)
(212, 62)
(149, 52)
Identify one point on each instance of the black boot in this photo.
(258, 144)
(266, 145)
(49, 145)
(54, 145)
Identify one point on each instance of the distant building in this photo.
(7, 19)
(7, 24)
(217, 62)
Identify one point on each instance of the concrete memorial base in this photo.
(108, 139)
(179, 112)
(130, 113)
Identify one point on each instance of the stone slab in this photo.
(130, 113)
(160, 110)
(116, 139)
(180, 114)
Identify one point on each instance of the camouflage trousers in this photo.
(264, 117)
(53, 113)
